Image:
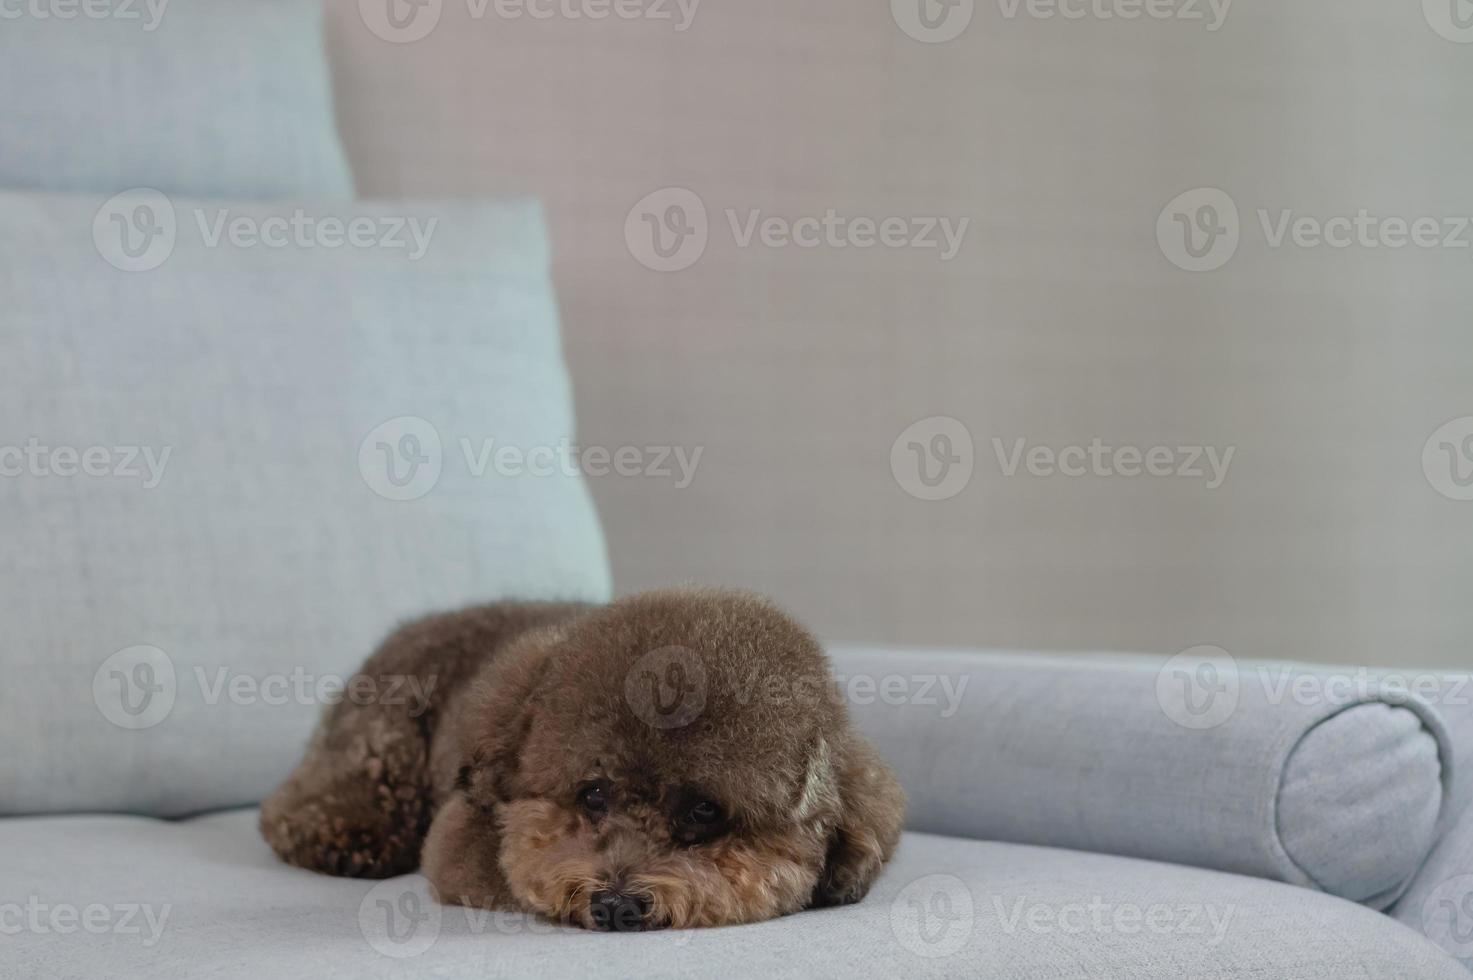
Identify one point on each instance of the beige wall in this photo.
(1060, 321)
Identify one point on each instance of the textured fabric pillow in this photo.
(226, 473)
(205, 97)
(1247, 773)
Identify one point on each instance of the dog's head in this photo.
(674, 759)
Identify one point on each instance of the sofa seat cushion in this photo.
(205, 897)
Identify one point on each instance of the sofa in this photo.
(251, 423)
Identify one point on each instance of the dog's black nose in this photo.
(617, 912)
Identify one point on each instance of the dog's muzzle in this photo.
(616, 912)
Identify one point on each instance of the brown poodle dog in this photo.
(676, 758)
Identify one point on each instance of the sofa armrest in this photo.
(1197, 760)
(1439, 902)
(1456, 706)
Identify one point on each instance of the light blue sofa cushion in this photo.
(203, 97)
(212, 900)
(1104, 754)
(227, 474)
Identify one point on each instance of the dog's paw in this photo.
(347, 819)
(374, 837)
(838, 886)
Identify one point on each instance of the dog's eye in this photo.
(697, 819)
(594, 799)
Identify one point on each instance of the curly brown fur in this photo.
(676, 758)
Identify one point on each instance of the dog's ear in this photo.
(871, 812)
(461, 858)
(500, 716)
